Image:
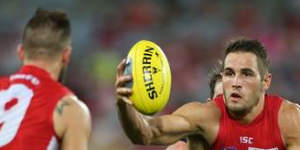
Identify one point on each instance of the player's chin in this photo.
(235, 107)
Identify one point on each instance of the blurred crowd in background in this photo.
(192, 33)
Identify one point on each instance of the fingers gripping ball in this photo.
(151, 77)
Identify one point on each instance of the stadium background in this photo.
(191, 32)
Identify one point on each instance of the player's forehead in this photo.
(241, 60)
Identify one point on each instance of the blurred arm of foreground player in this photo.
(289, 124)
(191, 118)
(72, 123)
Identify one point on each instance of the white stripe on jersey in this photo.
(53, 144)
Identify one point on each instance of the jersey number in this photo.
(14, 102)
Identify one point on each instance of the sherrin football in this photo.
(151, 83)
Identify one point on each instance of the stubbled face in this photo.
(242, 84)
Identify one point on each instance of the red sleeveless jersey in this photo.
(261, 134)
(27, 101)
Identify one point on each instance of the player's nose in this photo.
(236, 83)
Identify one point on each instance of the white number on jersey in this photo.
(13, 105)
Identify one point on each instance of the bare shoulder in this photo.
(72, 103)
(289, 122)
(289, 111)
(71, 112)
(199, 110)
(204, 116)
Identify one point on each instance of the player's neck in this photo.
(52, 68)
(249, 116)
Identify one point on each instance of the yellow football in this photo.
(151, 84)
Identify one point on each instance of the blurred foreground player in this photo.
(245, 118)
(197, 142)
(36, 111)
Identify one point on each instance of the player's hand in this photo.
(123, 93)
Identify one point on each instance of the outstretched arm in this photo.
(160, 130)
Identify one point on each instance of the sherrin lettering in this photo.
(151, 74)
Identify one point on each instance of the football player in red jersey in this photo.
(37, 112)
(245, 117)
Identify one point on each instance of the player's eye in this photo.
(228, 73)
(248, 73)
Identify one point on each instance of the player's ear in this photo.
(20, 51)
(267, 81)
(66, 55)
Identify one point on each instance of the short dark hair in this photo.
(215, 76)
(251, 46)
(46, 34)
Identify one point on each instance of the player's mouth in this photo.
(235, 97)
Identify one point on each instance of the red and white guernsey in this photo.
(261, 134)
(27, 101)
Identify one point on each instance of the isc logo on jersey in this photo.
(246, 140)
(151, 77)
